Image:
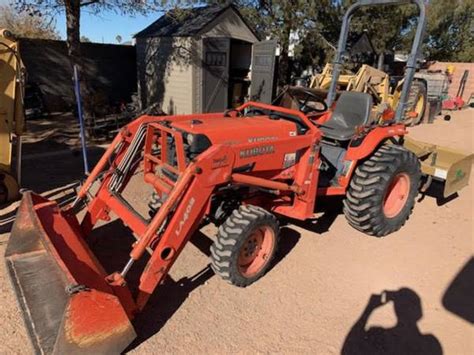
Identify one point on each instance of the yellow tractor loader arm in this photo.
(12, 119)
(376, 83)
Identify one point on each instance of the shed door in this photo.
(215, 74)
(263, 71)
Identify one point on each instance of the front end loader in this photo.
(241, 170)
(12, 85)
(377, 83)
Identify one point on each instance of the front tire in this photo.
(382, 192)
(245, 246)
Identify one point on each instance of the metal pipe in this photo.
(18, 159)
(160, 217)
(77, 89)
(411, 64)
(127, 268)
(265, 183)
(99, 166)
(283, 110)
(157, 183)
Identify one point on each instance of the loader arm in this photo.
(12, 80)
(83, 309)
(49, 244)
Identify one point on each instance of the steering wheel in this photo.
(303, 104)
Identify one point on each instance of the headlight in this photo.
(198, 143)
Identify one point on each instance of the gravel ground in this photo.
(321, 296)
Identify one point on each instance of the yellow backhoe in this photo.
(377, 83)
(12, 119)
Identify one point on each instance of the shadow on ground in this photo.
(459, 296)
(435, 191)
(50, 171)
(170, 295)
(404, 338)
(330, 207)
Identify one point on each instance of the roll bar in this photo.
(411, 63)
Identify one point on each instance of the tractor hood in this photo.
(239, 130)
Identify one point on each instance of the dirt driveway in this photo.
(318, 298)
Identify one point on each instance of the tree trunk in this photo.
(284, 69)
(73, 40)
(284, 66)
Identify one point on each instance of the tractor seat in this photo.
(352, 110)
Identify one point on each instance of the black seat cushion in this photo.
(352, 110)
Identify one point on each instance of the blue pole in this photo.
(77, 89)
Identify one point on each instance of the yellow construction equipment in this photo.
(377, 83)
(12, 119)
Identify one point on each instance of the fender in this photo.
(370, 142)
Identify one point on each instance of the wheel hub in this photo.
(255, 251)
(396, 195)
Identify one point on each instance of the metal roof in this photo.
(185, 22)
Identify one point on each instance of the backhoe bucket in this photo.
(442, 163)
(67, 305)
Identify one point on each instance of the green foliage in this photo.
(54, 7)
(451, 30)
(72, 11)
(389, 27)
(317, 23)
(280, 19)
(449, 34)
(23, 25)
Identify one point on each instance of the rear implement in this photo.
(12, 118)
(450, 166)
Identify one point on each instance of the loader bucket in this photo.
(442, 163)
(67, 305)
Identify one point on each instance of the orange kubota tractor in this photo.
(241, 170)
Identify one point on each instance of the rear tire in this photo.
(245, 246)
(382, 191)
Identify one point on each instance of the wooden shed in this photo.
(199, 60)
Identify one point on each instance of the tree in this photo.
(390, 27)
(448, 36)
(449, 33)
(72, 10)
(279, 19)
(23, 25)
(450, 30)
(85, 39)
(318, 45)
(118, 38)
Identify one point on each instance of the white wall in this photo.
(165, 73)
(229, 24)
